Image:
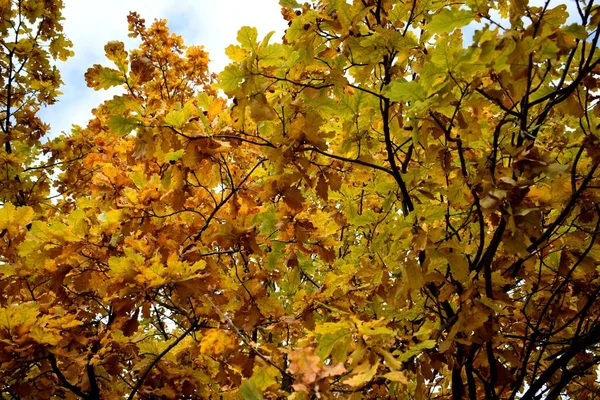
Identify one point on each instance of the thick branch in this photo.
(63, 380)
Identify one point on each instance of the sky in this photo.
(91, 24)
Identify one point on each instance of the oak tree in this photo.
(398, 199)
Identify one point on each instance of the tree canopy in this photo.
(398, 199)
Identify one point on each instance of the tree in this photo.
(370, 209)
(30, 34)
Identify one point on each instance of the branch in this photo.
(151, 366)
(384, 105)
(488, 256)
(226, 137)
(55, 164)
(63, 380)
(579, 344)
(350, 160)
(242, 336)
(305, 85)
(221, 204)
(380, 96)
(516, 267)
(498, 103)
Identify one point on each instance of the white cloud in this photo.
(91, 24)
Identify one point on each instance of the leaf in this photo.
(111, 217)
(78, 223)
(99, 77)
(261, 111)
(42, 336)
(362, 202)
(264, 376)
(371, 329)
(174, 155)
(122, 125)
(176, 118)
(216, 341)
(403, 91)
(142, 68)
(449, 19)
(12, 218)
(322, 188)
(115, 51)
(249, 391)
(272, 55)
(363, 377)
(292, 196)
(247, 37)
(416, 349)
(397, 376)
(231, 78)
(15, 316)
(236, 53)
(305, 365)
(328, 341)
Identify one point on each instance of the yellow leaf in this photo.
(217, 341)
(18, 315)
(389, 358)
(364, 376)
(14, 218)
(397, 376)
(42, 336)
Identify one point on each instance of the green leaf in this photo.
(204, 100)
(174, 155)
(249, 391)
(576, 30)
(416, 350)
(179, 117)
(138, 178)
(265, 41)
(122, 125)
(271, 55)
(400, 90)
(231, 77)
(328, 341)
(449, 19)
(117, 105)
(247, 37)
(267, 221)
(176, 118)
(109, 77)
(264, 376)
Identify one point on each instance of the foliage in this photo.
(379, 206)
